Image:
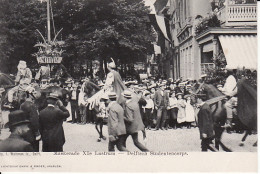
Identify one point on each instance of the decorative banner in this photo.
(49, 60)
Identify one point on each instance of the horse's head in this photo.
(208, 89)
(90, 88)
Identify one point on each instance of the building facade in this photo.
(201, 31)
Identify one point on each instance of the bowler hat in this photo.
(127, 94)
(17, 117)
(53, 96)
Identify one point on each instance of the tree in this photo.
(92, 30)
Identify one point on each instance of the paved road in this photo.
(84, 138)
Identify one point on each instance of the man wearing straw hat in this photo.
(116, 125)
(133, 120)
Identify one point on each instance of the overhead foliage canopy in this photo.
(92, 29)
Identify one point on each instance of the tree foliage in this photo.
(92, 29)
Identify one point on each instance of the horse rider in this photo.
(114, 82)
(230, 90)
(23, 79)
(43, 75)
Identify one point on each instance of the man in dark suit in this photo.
(32, 114)
(21, 134)
(51, 120)
(161, 101)
(205, 123)
(133, 120)
(116, 124)
(74, 97)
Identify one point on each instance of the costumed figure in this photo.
(23, 79)
(230, 90)
(43, 75)
(114, 82)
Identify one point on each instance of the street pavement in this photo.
(84, 138)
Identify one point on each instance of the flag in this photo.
(161, 24)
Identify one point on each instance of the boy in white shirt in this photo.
(148, 110)
(173, 109)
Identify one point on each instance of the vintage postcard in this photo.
(128, 86)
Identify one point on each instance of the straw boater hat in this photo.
(127, 94)
(104, 97)
(112, 95)
(203, 75)
(22, 65)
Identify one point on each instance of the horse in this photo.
(219, 112)
(41, 101)
(92, 91)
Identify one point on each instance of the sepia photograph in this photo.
(140, 78)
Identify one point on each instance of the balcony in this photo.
(236, 15)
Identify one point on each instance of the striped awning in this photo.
(240, 51)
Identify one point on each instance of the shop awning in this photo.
(240, 51)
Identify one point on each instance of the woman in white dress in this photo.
(181, 118)
(189, 110)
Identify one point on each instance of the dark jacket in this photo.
(133, 119)
(77, 95)
(161, 101)
(205, 121)
(33, 115)
(15, 143)
(116, 124)
(51, 120)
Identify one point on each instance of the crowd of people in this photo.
(127, 106)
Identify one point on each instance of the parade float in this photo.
(49, 54)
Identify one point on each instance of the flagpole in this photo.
(48, 21)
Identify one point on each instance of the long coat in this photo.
(133, 119)
(51, 120)
(205, 121)
(116, 124)
(33, 115)
(15, 143)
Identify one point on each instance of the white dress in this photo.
(181, 117)
(189, 110)
(68, 107)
